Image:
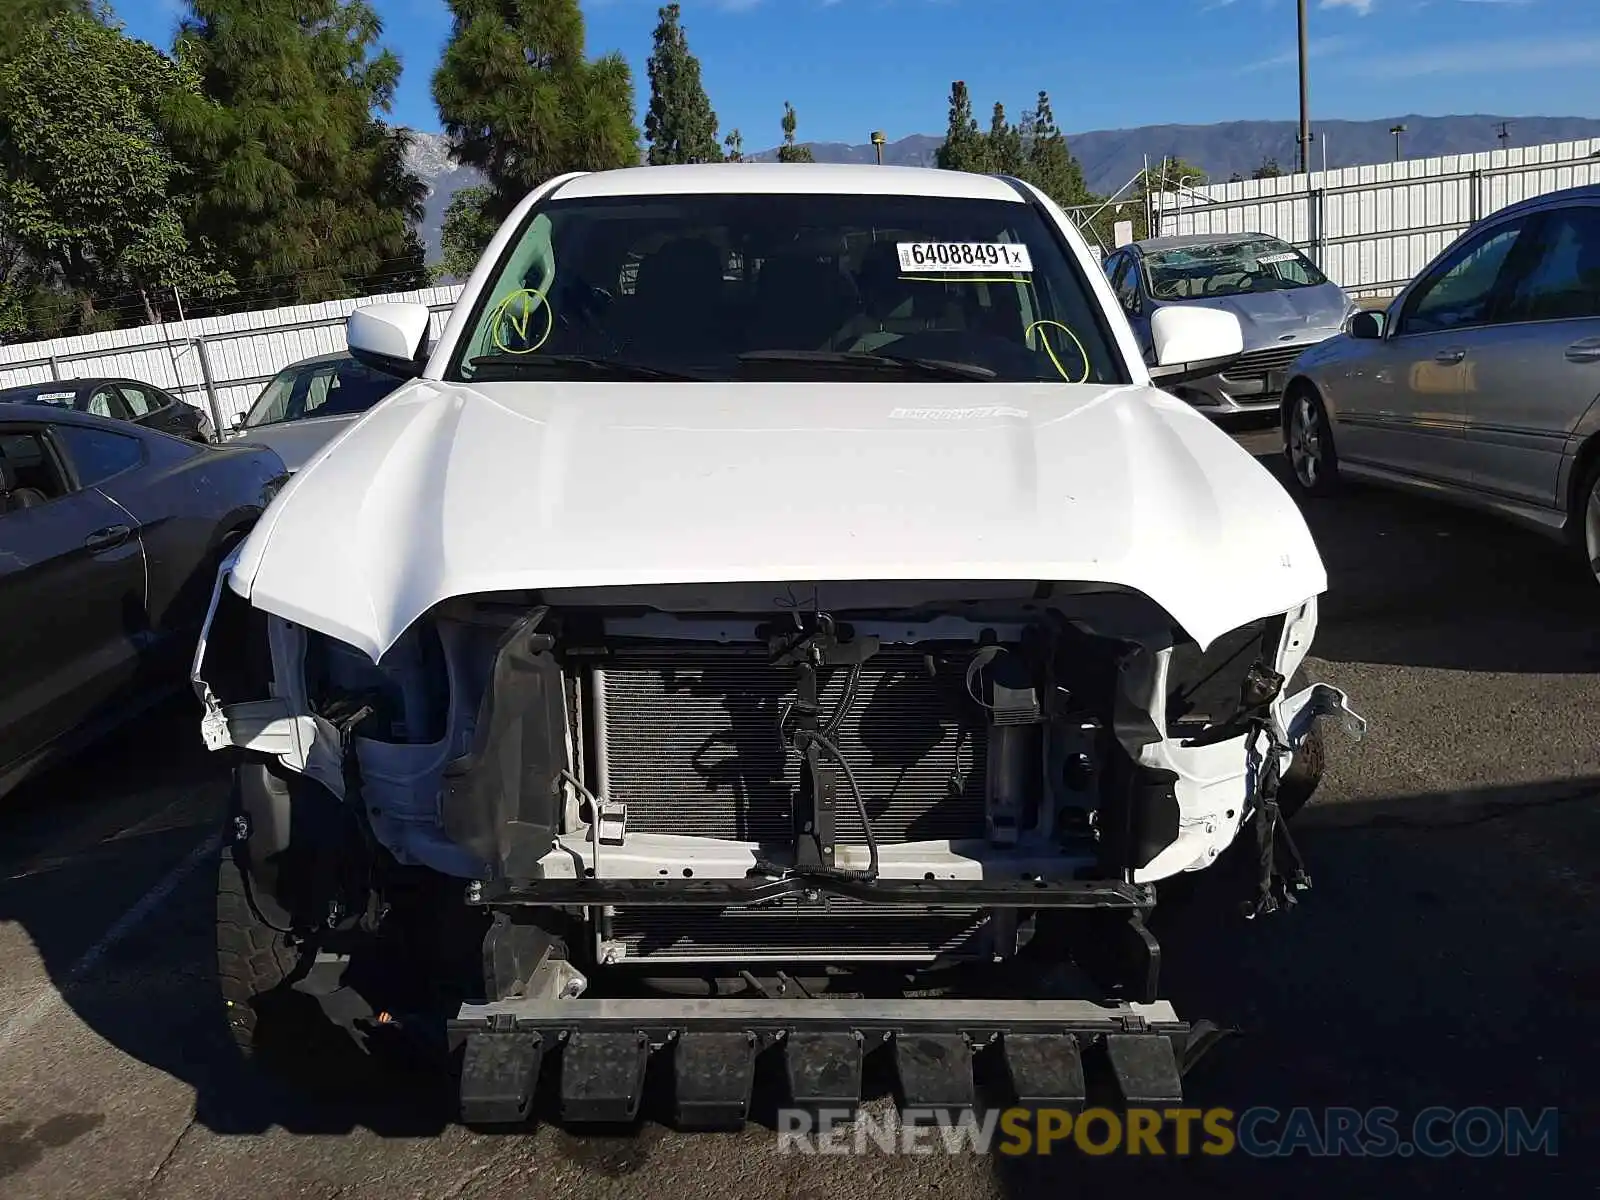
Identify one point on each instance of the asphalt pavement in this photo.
(1447, 955)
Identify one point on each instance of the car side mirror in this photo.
(390, 337)
(238, 421)
(1191, 341)
(1368, 326)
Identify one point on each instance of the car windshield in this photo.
(788, 287)
(1229, 269)
(336, 387)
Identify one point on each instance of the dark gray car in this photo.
(110, 539)
(121, 400)
(1285, 305)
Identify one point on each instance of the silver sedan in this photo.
(1479, 384)
(1283, 302)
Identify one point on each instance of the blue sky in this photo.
(849, 66)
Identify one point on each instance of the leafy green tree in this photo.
(1003, 144)
(90, 194)
(680, 125)
(466, 232)
(1269, 169)
(1050, 166)
(303, 188)
(521, 102)
(24, 17)
(963, 148)
(790, 152)
(735, 144)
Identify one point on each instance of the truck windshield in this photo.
(717, 286)
(1229, 269)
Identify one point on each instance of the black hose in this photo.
(861, 803)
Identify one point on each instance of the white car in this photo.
(779, 584)
(308, 404)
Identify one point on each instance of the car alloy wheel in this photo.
(1306, 441)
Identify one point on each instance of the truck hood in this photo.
(446, 490)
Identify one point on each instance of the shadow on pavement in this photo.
(1447, 955)
(1415, 582)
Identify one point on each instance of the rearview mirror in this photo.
(1192, 341)
(1368, 325)
(390, 337)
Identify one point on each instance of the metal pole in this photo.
(1305, 101)
(1146, 189)
(172, 349)
(211, 386)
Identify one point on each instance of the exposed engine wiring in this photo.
(796, 744)
(861, 805)
(832, 724)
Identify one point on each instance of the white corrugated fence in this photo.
(220, 363)
(1371, 229)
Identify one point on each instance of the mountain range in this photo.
(1110, 157)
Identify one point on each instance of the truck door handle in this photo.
(108, 538)
(1586, 351)
(1450, 357)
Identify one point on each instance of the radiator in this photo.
(690, 743)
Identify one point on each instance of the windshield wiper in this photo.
(520, 364)
(937, 367)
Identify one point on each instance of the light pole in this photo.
(877, 144)
(1305, 103)
(1397, 130)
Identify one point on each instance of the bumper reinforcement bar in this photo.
(732, 893)
(1048, 1053)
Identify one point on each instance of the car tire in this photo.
(254, 961)
(1308, 443)
(1585, 528)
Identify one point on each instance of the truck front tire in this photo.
(253, 959)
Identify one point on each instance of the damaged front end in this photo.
(734, 819)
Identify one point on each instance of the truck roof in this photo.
(851, 179)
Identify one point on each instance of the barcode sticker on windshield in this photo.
(963, 256)
(1276, 258)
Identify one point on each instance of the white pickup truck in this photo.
(782, 615)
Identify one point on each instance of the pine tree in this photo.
(466, 231)
(520, 101)
(735, 144)
(303, 190)
(963, 148)
(1050, 165)
(680, 125)
(1003, 145)
(790, 152)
